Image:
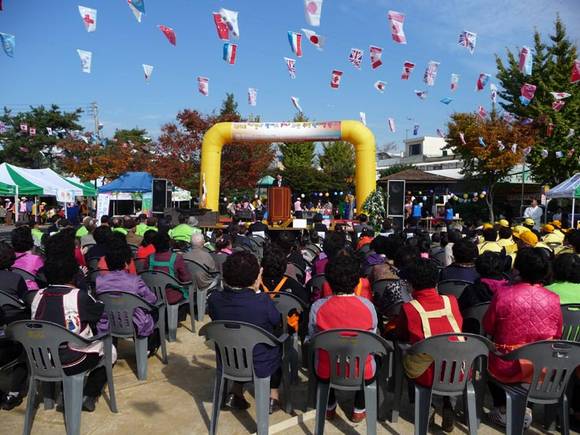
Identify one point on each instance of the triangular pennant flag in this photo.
(148, 70)
(169, 34)
(86, 60)
(8, 43)
(291, 65)
(136, 12)
(89, 17)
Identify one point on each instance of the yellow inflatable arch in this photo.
(224, 133)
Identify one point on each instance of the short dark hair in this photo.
(533, 265)
(464, 251)
(21, 238)
(342, 273)
(405, 256)
(148, 237)
(105, 219)
(504, 232)
(454, 236)
(60, 244)
(102, 234)
(182, 219)
(363, 218)
(118, 253)
(380, 244)
(333, 243)
(7, 256)
(490, 234)
(162, 242)
(367, 232)
(241, 269)
(422, 274)
(573, 238)
(274, 263)
(60, 269)
(128, 222)
(567, 268)
(490, 265)
(151, 221)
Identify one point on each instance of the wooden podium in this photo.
(278, 204)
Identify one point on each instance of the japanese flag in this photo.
(314, 38)
(313, 10)
(380, 86)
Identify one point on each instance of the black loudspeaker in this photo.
(159, 201)
(396, 201)
(398, 223)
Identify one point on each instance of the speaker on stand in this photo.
(396, 203)
(159, 195)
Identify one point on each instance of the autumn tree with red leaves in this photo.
(493, 160)
(179, 150)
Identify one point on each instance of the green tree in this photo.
(552, 65)
(488, 163)
(337, 163)
(35, 150)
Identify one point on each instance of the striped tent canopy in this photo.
(41, 182)
(567, 189)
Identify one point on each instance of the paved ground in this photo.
(176, 399)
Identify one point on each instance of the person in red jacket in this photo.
(343, 309)
(523, 313)
(428, 314)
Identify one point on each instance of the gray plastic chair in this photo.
(453, 287)
(452, 362)
(234, 344)
(345, 346)
(554, 363)
(285, 304)
(196, 268)
(11, 301)
(316, 283)
(42, 340)
(157, 281)
(571, 322)
(120, 307)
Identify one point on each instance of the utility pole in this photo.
(95, 113)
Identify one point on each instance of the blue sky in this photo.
(46, 68)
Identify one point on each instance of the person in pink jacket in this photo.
(523, 313)
(22, 242)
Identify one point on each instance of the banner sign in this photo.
(286, 131)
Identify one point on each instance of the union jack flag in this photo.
(467, 39)
(355, 57)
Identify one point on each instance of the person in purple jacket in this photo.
(118, 279)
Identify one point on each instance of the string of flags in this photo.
(169, 34)
(396, 21)
(376, 54)
(314, 38)
(468, 39)
(252, 96)
(148, 70)
(291, 66)
(313, 11)
(137, 8)
(89, 17)
(335, 80)
(355, 57)
(295, 40)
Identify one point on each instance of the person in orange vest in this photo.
(428, 314)
(274, 265)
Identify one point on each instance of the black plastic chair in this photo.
(473, 317)
(348, 350)
(158, 281)
(27, 276)
(120, 308)
(571, 322)
(42, 341)
(287, 303)
(196, 268)
(11, 301)
(554, 363)
(453, 287)
(453, 357)
(234, 344)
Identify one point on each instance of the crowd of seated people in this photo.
(385, 282)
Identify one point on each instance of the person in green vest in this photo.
(117, 226)
(86, 228)
(186, 228)
(141, 226)
(566, 278)
(36, 234)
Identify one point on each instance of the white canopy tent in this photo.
(567, 189)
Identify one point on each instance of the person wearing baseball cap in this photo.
(525, 238)
(549, 236)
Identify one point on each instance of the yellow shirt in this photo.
(553, 238)
(489, 247)
(510, 246)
